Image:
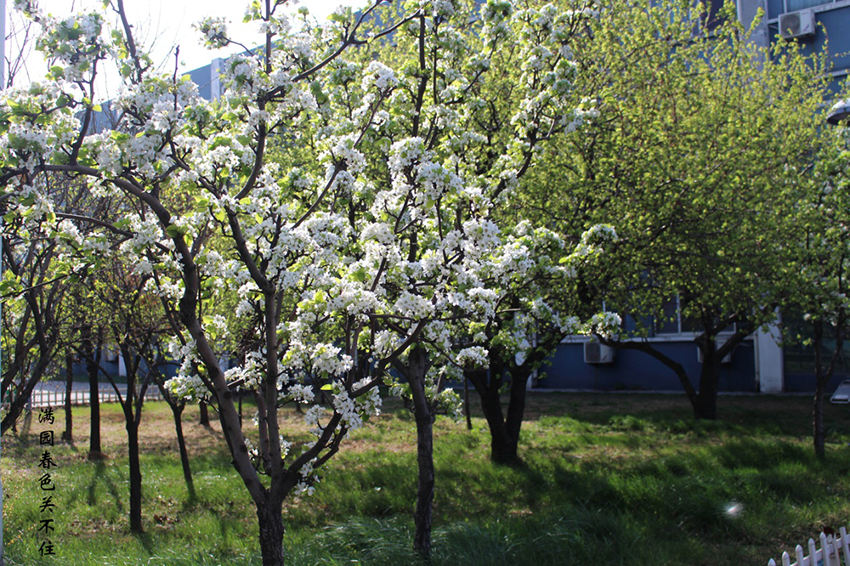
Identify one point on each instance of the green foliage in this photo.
(701, 150)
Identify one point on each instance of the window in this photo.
(794, 5)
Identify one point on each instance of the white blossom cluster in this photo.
(29, 142)
(352, 410)
(473, 357)
(214, 31)
(605, 324)
(593, 242)
(249, 374)
(300, 393)
(187, 384)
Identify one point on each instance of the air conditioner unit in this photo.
(111, 355)
(797, 24)
(727, 359)
(596, 353)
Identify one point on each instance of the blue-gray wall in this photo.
(634, 370)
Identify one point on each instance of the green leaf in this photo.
(174, 231)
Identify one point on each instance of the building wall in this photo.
(634, 370)
(832, 28)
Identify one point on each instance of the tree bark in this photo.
(466, 410)
(92, 357)
(68, 434)
(706, 405)
(819, 434)
(177, 411)
(822, 376)
(135, 475)
(516, 410)
(270, 519)
(425, 484)
(205, 414)
(132, 425)
(424, 415)
(504, 431)
(491, 405)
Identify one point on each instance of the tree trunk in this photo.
(132, 417)
(22, 402)
(135, 465)
(466, 410)
(709, 381)
(502, 449)
(516, 410)
(819, 435)
(205, 414)
(270, 519)
(822, 376)
(92, 357)
(425, 484)
(68, 434)
(504, 433)
(177, 411)
(424, 414)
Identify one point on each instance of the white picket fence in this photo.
(56, 398)
(832, 552)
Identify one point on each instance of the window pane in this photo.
(794, 5)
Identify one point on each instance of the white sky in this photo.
(162, 24)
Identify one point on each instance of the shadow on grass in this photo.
(101, 477)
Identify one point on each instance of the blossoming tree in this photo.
(474, 93)
(185, 169)
(702, 145)
(344, 208)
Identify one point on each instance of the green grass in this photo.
(606, 480)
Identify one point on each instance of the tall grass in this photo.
(606, 480)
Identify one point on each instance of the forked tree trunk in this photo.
(504, 430)
(516, 412)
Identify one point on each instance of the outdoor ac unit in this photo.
(596, 353)
(797, 24)
(727, 359)
(111, 355)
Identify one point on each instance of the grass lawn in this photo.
(608, 479)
